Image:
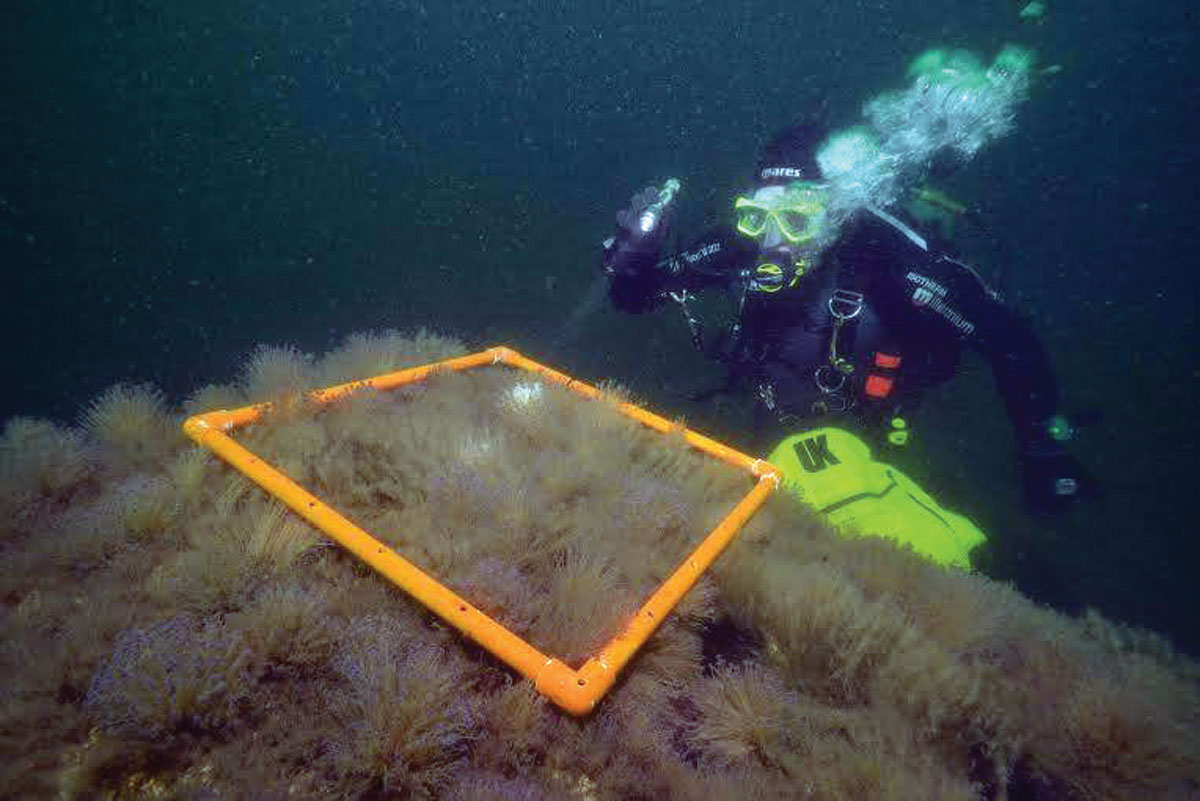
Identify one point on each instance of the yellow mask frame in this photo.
(799, 214)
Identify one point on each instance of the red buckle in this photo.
(878, 386)
(886, 360)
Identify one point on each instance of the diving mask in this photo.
(796, 212)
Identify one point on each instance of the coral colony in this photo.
(169, 630)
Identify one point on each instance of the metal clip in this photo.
(845, 304)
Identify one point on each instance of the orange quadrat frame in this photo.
(575, 690)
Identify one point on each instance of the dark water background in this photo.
(182, 181)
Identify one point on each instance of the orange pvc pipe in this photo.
(598, 674)
(756, 467)
(446, 604)
(576, 691)
(410, 375)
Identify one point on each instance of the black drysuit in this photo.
(918, 309)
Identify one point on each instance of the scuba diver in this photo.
(844, 315)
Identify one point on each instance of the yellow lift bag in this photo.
(832, 470)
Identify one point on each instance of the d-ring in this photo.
(845, 304)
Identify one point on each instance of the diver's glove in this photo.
(641, 230)
(1054, 479)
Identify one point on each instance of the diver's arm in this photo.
(713, 260)
(969, 309)
(631, 255)
(1024, 376)
(952, 293)
(640, 280)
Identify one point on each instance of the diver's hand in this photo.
(1054, 480)
(641, 230)
(650, 212)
